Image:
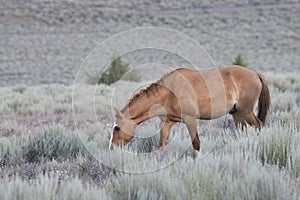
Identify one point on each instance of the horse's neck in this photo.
(145, 107)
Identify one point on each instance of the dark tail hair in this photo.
(264, 101)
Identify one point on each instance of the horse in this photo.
(185, 95)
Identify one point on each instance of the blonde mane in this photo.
(153, 88)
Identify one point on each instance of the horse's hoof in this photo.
(196, 145)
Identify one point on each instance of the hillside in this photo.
(46, 41)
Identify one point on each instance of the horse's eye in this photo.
(117, 128)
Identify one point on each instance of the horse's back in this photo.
(226, 78)
(235, 70)
(238, 72)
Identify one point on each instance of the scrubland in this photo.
(44, 154)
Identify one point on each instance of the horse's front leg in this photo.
(192, 128)
(165, 129)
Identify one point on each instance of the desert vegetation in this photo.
(116, 70)
(238, 60)
(44, 155)
(54, 136)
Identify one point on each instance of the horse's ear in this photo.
(118, 113)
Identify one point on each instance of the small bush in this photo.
(146, 145)
(275, 147)
(238, 60)
(146, 142)
(117, 70)
(52, 144)
(6, 151)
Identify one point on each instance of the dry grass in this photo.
(51, 161)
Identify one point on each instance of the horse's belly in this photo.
(215, 109)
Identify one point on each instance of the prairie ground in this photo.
(45, 154)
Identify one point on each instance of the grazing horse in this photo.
(185, 95)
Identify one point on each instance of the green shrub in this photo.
(144, 145)
(6, 151)
(276, 147)
(116, 70)
(238, 60)
(51, 144)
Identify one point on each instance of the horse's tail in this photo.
(264, 101)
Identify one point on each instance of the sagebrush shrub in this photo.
(275, 147)
(6, 151)
(49, 187)
(145, 145)
(52, 143)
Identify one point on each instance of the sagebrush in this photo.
(58, 162)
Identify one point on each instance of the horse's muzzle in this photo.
(111, 146)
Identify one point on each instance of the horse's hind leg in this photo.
(192, 128)
(165, 128)
(252, 120)
(239, 121)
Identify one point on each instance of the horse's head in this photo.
(122, 131)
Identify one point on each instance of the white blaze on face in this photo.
(111, 136)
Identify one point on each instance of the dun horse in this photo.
(185, 95)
